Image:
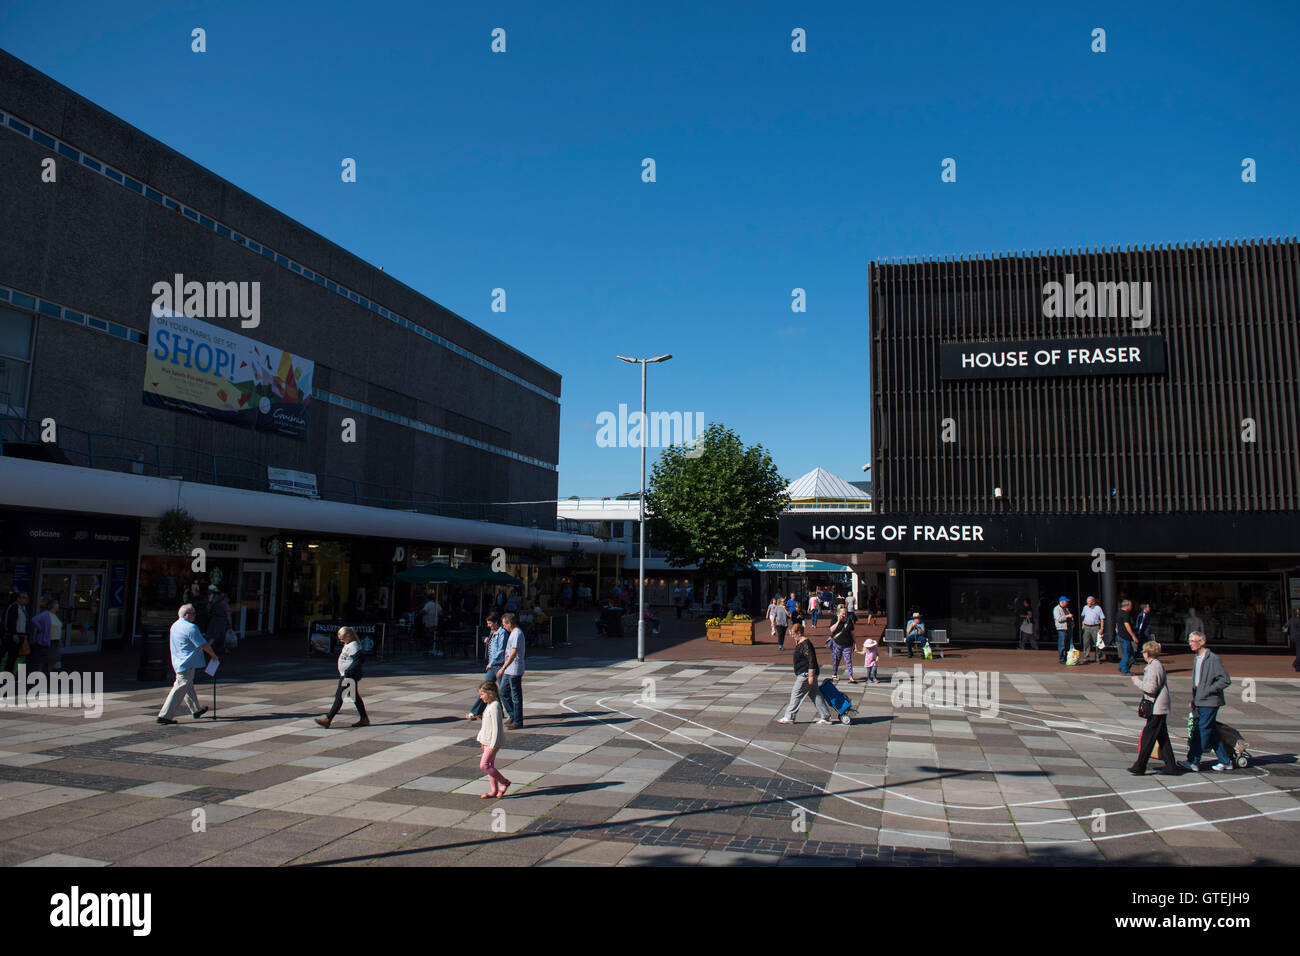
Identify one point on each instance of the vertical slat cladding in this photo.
(1176, 394)
(1192, 390)
(1266, 389)
(1215, 393)
(1135, 438)
(1248, 350)
(1284, 268)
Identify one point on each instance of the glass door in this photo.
(255, 595)
(80, 595)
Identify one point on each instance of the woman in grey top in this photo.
(218, 621)
(1154, 684)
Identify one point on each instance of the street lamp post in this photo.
(640, 601)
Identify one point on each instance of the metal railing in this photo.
(122, 453)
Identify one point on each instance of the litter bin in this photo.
(612, 619)
(154, 663)
(559, 630)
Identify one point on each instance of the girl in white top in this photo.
(490, 737)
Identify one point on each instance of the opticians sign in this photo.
(1044, 358)
(203, 369)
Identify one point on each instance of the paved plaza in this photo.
(624, 763)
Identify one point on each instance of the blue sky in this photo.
(775, 170)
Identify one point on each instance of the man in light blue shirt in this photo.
(1093, 619)
(188, 647)
(510, 678)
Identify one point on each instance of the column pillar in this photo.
(1109, 599)
(894, 590)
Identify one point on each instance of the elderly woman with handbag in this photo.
(1154, 706)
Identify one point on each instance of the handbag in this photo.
(24, 649)
(1148, 707)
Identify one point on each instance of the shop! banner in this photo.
(196, 367)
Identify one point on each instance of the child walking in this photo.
(350, 672)
(489, 736)
(869, 659)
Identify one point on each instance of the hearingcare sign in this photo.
(1118, 355)
(203, 369)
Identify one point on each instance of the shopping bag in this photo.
(1072, 657)
(926, 652)
(232, 638)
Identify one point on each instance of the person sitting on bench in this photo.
(915, 633)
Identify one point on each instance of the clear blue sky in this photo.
(775, 170)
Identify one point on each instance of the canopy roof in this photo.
(795, 564)
(820, 485)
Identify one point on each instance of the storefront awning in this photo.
(796, 566)
(465, 574)
(50, 487)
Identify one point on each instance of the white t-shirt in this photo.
(432, 611)
(515, 642)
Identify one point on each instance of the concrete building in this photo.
(169, 341)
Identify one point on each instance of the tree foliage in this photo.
(715, 505)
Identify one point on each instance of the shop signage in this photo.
(219, 541)
(67, 537)
(294, 482)
(203, 369)
(322, 637)
(1046, 358)
(849, 532)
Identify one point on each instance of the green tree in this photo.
(715, 505)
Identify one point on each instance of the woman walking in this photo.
(1154, 684)
(489, 736)
(218, 621)
(805, 679)
(841, 645)
(350, 674)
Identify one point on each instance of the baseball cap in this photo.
(1062, 598)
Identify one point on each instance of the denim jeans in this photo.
(815, 612)
(489, 674)
(512, 697)
(1125, 653)
(1062, 642)
(1207, 737)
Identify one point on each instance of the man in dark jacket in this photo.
(1292, 628)
(1209, 681)
(15, 630)
(805, 680)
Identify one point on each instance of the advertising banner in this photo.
(196, 367)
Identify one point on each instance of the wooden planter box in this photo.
(738, 632)
(714, 633)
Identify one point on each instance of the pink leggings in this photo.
(488, 766)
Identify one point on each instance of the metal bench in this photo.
(893, 637)
(938, 640)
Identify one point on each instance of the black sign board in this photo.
(322, 637)
(67, 536)
(1044, 358)
(852, 532)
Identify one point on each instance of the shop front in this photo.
(82, 561)
(239, 561)
(972, 574)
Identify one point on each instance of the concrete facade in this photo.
(90, 244)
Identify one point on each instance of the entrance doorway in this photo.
(256, 582)
(80, 593)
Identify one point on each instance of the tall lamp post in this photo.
(640, 587)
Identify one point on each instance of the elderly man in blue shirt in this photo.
(188, 647)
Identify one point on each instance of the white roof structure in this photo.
(819, 488)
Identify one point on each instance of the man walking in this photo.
(39, 641)
(1125, 636)
(814, 607)
(1064, 621)
(1093, 619)
(510, 676)
(15, 630)
(188, 648)
(1292, 628)
(1144, 624)
(1209, 680)
(431, 614)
